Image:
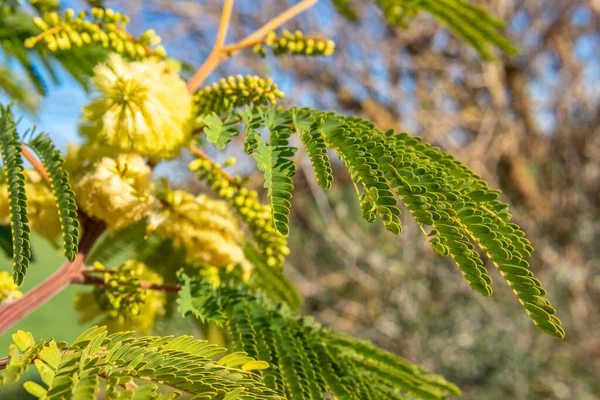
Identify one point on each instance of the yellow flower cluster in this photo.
(8, 289)
(102, 27)
(295, 43)
(116, 191)
(204, 227)
(41, 206)
(143, 107)
(234, 92)
(121, 302)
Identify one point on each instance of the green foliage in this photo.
(295, 44)
(13, 170)
(6, 240)
(16, 26)
(452, 204)
(182, 363)
(115, 243)
(317, 152)
(234, 92)
(16, 89)
(271, 281)
(470, 22)
(344, 8)
(307, 360)
(20, 355)
(456, 210)
(219, 132)
(64, 196)
(273, 160)
(100, 27)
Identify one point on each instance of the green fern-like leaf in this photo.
(471, 23)
(273, 160)
(182, 363)
(219, 132)
(454, 207)
(13, 169)
(317, 150)
(301, 352)
(64, 196)
(20, 355)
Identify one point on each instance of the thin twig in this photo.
(217, 55)
(276, 22)
(224, 23)
(200, 154)
(39, 167)
(220, 53)
(87, 279)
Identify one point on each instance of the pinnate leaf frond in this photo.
(182, 363)
(64, 196)
(10, 147)
(454, 207)
(307, 360)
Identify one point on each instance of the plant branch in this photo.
(220, 52)
(39, 167)
(13, 311)
(200, 154)
(217, 55)
(87, 279)
(224, 23)
(273, 24)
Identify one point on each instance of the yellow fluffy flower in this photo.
(41, 206)
(116, 191)
(204, 227)
(8, 289)
(143, 107)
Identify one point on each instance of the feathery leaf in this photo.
(64, 196)
(10, 148)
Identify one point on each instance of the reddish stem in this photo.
(13, 311)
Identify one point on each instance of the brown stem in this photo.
(13, 311)
(39, 167)
(86, 279)
(224, 23)
(276, 22)
(220, 52)
(216, 55)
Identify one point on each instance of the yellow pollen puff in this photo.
(142, 107)
(204, 227)
(116, 191)
(8, 289)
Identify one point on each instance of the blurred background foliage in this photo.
(528, 124)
